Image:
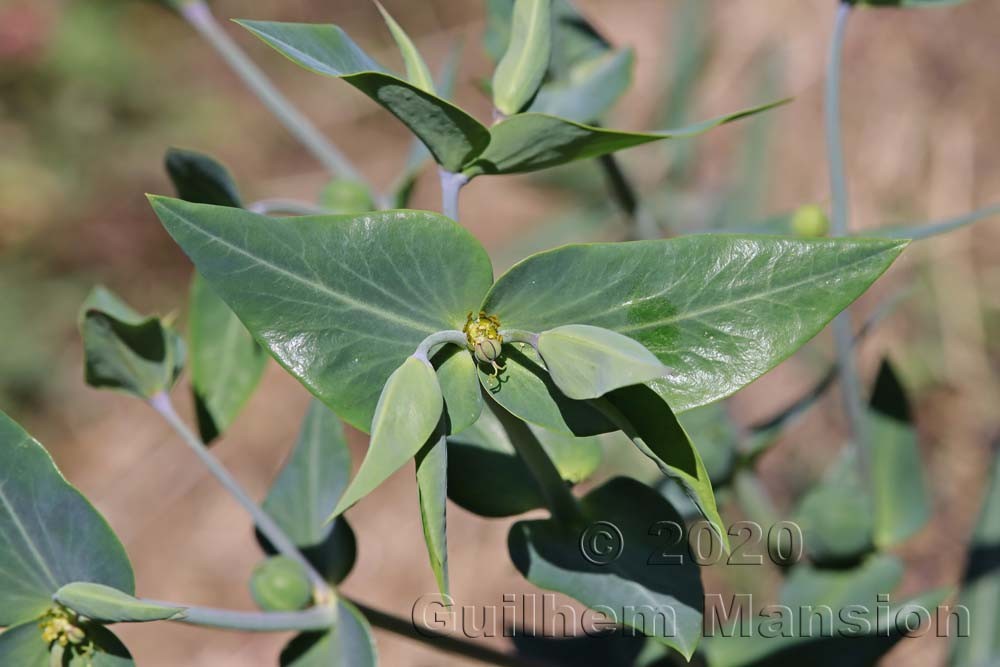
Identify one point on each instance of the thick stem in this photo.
(451, 185)
(842, 330)
(275, 535)
(428, 345)
(519, 336)
(558, 497)
(200, 17)
(314, 619)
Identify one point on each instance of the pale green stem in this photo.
(268, 527)
(427, 346)
(518, 336)
(451, 185)
(558, 497)
(285, 207)
(317, 618)
(850, 384)
(198, 14)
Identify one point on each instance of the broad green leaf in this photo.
(312, 480)
(487, 477)
(280, 584)
(110, 605)
(49, 534)
(339, 301)
(349, 644)
(899, 494)
(522, 68)
(416, 69)
(432, 484)
(664, 602)
(533, 141)
(127, 351)
(407, 414)
(23, 646)
(452, 136)
(226, 362)
(836, 515)
(808, 585)
(651, 425)
(588, 362)
(758, 299)
(590, 89)
(459, 379)
(981, 584)
(201, 179)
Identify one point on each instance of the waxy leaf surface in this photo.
(522, 68)
(350, 644)
(339, 301)
(432, 486)
(110, 605)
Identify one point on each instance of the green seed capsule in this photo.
(485, 341)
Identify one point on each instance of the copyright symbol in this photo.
(602, 543)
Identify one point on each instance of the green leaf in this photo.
(836, 515)
(452, 136)
(717, 437)
(23, 646)
(981, 583)
(432, 484)
(522, 68)
(487, 477)
(936, 227)
(407, 414)
(898, 490)
(526, 389)
(280, 584)
(758, 299)
(126, 351)
(49, 534)
(666, 601)
(808, 585)
(339, 301)
(459, 379)
(312, 480)
(226, 362)
(110, 605)
(333, 558)
(416, 69)
(349, 644)
(588, 362)
(201, 179)
(533, 141)
(590, 90)
(649, 422)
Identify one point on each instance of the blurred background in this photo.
(93, 92)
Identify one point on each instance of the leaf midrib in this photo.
(27, 538)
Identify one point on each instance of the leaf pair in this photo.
(459, 142)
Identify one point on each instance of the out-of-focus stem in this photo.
(198, 14)
(451, 185)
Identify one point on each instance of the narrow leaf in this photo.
(312, 480)
(522, 68)
(452, 135)
(339, 301)
(432, 484)
(110, 605)
(416, 69)
(407, 413)
(590, 90)
(459, 379)
(649, 422)
(49, 534)
(588, 362)
(936, 228)
(533, 141)
(201, 179)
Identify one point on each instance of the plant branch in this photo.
(321, 617)
(849, 383)
(272, 531)
(558, 497)
(451, 185)
(198, 14)
(440, 641)
(428, 344)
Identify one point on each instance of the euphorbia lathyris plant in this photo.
(395, 322)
